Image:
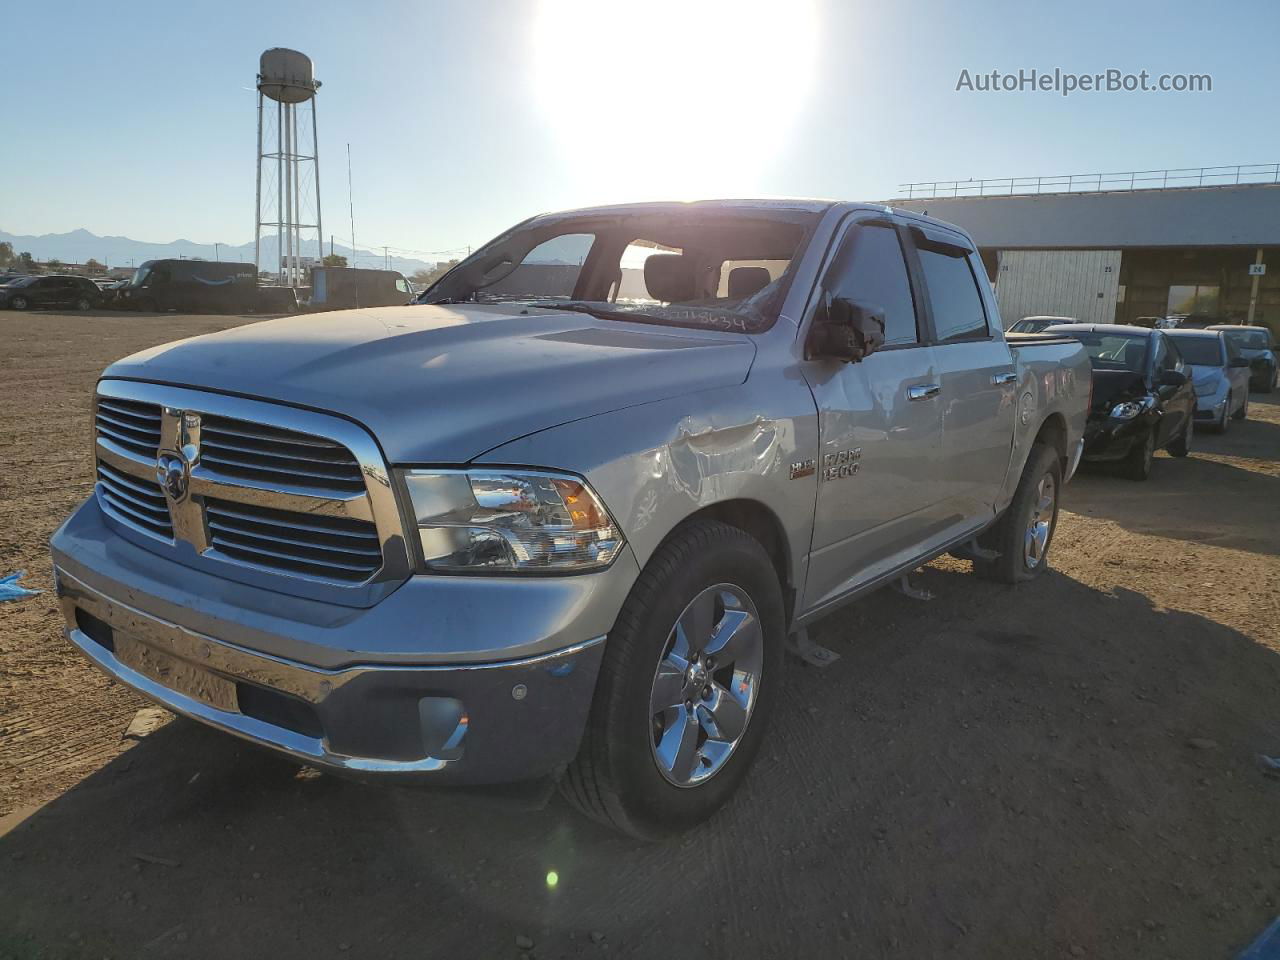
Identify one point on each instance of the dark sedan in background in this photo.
(1143, 400)
(38, 293)
(1256, 346)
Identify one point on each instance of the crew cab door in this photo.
(879, 425)
(976, 372)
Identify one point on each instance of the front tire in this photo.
(690, 674)
(1182, 446)
(83, 304)
(1024, 534)
(1223, 423)
(1137, 465)
(1243, 412)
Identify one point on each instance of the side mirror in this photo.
(1172, 378)
(1238, 362)
(846, 330)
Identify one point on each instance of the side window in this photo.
(1175, 356)
(870, 268)
(550, 269)
(953, 293)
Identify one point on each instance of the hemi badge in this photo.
(804, 468)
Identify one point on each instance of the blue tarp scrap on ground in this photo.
(10, 589)
(1267, 946)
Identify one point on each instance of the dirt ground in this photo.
(999, 772)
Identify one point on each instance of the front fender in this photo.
(656, 464)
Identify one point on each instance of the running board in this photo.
(814, 654)
(905, 587)
(969, 550)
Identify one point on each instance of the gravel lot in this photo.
(1065, 769)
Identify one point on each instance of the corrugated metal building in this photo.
(1114, 255)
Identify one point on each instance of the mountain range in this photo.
(81, 245)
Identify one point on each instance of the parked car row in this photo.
(1151, 386)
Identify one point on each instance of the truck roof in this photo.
(770, 205)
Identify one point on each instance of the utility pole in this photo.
(351, 208)
(386, 259)
(216, 255)
(1253, 289)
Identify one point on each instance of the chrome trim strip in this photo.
(296, 745)
(222, 656)
(376, 504)
(233, 663)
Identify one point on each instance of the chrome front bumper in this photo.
(381, 712)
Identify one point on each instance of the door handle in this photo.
(1000, 379)
(923, 391)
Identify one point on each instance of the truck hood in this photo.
(444, 384)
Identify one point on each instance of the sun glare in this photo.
(675, 99)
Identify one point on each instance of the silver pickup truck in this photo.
(562, 515)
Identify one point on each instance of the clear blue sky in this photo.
(138, 118)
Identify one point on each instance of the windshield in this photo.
(1029, 325)
(19, 281)
(1114, 351)
(696, 268)
(1200, 351)
(1257, 339)
(139, 276)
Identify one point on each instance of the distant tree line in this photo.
(24, 262)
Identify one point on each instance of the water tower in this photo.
(292, 178)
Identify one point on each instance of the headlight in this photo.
(487, 521)
(1127, 410)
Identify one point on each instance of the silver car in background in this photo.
(1220, 375)
(1254, 344)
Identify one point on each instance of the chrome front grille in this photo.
(134, 426)
(247, 484)
(331, 547)
(141, 501)
(252, 451)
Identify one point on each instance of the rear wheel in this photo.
(1270, 383)
(1023, 535)
(1137, 465)
(19, 302)
(1182, 446)
(690, 673)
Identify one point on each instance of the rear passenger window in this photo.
(953, 293)
(870, 269)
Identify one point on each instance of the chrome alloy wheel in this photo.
(706, 685)
(1040, 526)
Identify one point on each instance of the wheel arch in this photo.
(1053, 433)
(756, 519)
